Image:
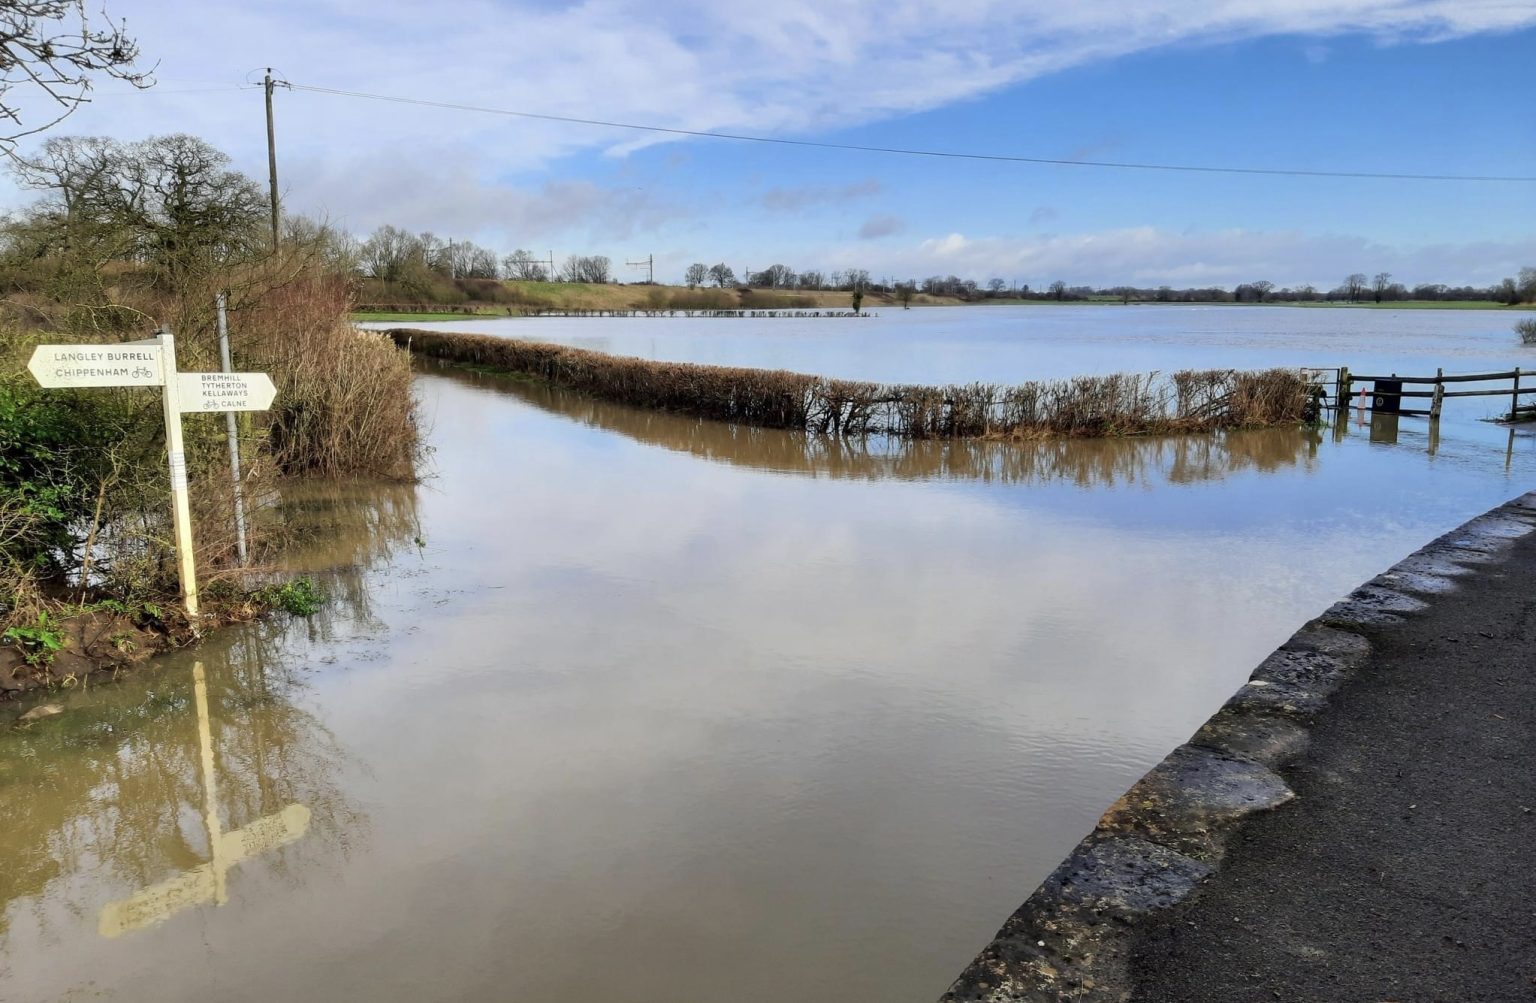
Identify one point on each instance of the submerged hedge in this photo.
(1120, 404)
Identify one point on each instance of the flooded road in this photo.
(631, 707)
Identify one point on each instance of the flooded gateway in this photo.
(629, 707)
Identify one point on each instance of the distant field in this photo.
(559, 296)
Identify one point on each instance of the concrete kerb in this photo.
(1165, 836)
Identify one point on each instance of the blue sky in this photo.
(1404, 86)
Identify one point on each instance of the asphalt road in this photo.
(1406, 869)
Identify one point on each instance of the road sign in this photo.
(133, 365)
(152, 363)
(226, 391)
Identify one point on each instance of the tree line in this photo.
(1356, 288)
(395, 256)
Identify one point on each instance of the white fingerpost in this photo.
(152, 363)
(181, 513)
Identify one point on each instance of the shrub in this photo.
(1526, 329)
(344, 402)
(300, 597)
(1118, 404)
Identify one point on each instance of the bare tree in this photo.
(812, 280)
(337, 249)
(1527, 284)
(433, 252)
(1381, 283)
(1058, 290)
(1354, 286)
(49, 53)
(592, 268)
(389, 252)
(722, 275)
(696, 274)
(773, 277)
(189, 208)
(481, 263)
(520, 264)
(995, 286)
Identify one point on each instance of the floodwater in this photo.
(1002, 344)
(633, 707)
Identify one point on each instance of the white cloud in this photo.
(794, 67)
(1148, 256)
(452, 198)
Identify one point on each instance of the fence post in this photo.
(1514, 397)
(1434, 404)
(1342, 401)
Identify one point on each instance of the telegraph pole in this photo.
(268, 84)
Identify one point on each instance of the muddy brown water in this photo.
(624, 706)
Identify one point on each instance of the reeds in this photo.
(344, 403)
(1120, 404)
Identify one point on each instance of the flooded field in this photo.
(1001, 344)
(630, 707)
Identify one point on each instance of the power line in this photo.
(154, 91)
(906, 152)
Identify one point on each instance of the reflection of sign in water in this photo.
(207, 882)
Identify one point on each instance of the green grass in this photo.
(300, 597)
(38, 642)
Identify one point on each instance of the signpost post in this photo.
(152, 363)
(232, 431)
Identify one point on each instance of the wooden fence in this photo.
(1388, 393)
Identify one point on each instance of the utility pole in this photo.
(267, 85)
(650, 268)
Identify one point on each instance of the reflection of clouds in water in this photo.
(638, 727)
(711, 707)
